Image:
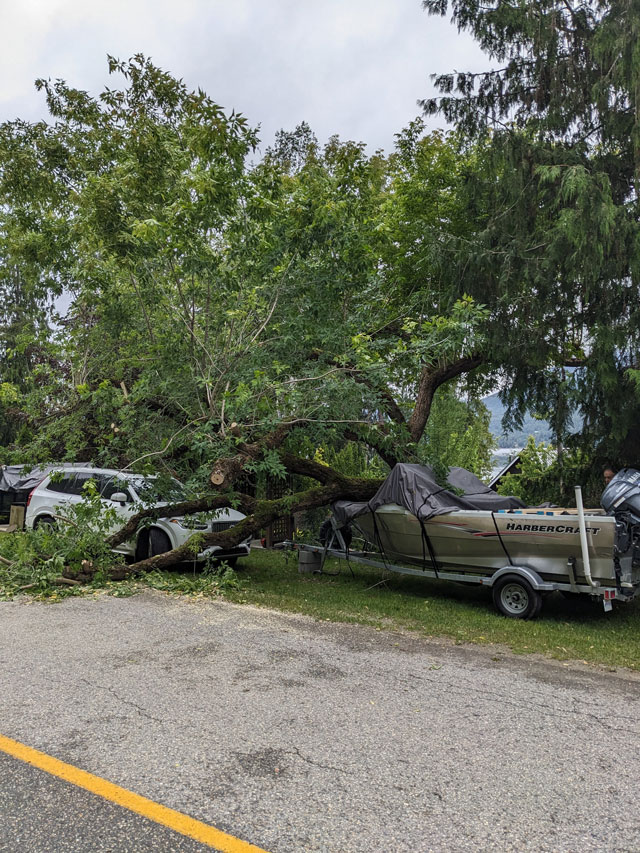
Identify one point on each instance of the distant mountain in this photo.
(518, 438)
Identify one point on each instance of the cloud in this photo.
(354, 68)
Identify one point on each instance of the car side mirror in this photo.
(119, 497)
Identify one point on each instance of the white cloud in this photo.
(355, 68)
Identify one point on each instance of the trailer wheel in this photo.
(515, 597)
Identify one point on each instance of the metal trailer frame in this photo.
(607, 594)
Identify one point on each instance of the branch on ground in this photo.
(205, 504)
(262, 513)
(333, 486)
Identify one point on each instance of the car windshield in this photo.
(153, 490)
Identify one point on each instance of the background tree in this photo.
(558, 120)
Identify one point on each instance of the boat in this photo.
(482, 541)
(464, 531)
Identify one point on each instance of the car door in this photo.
(109, 485)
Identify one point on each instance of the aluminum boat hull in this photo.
(481, 542)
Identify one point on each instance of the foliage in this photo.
(207, 290)
(546, 476)
(210, 581)
(536, 463)
(353, 460)
(38, 557)
(555, 248)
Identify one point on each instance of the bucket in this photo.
(309, 562)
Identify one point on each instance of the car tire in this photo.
(516, 598)
(45, 521)
(151, 543)
(159, 542)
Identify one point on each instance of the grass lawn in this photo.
(567, 630)
(578, 630)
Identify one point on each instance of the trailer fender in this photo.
(523, 571)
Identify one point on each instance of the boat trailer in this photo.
(508, 581)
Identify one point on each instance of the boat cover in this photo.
(415, 488)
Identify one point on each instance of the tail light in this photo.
(33, 490)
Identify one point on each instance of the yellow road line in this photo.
(127, 799)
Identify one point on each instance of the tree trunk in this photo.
(333, 486)
(431, 378)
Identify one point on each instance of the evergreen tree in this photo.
(557, 253)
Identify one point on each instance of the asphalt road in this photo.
(42, 814)
(304, 736)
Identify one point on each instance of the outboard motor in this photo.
(621, 498)
(623, 494)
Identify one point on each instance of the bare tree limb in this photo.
(385, 454)
(263, 513)
(204, 504)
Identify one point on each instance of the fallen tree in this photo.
(211, 291)
(260, 513)
(332, 485)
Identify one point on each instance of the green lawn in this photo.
(579, 630)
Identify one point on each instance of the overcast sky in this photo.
(352, 67)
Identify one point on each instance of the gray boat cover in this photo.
(415, 488)
(25, 477)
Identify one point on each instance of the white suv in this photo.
(126, 493)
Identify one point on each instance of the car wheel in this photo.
(159, 542)
(516, 598)
(151, 543)
(45, 521)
